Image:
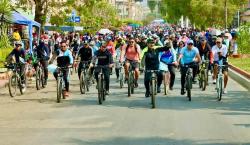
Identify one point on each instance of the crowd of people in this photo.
(154, 47)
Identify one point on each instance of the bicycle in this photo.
(153, 86)
(188, 81)
(131, 78)
(220, 80)
(15, 79)
(84, 79)
(60, 83)
(101, 84)
(203, 75)
(40, 76)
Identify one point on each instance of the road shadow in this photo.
(147, 141)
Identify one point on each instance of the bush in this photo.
(244, 39)
(5, 48)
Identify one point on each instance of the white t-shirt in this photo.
(215, 51)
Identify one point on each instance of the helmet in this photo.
(150, 40)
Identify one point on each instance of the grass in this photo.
(242, 63)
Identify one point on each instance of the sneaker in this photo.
(214, 81)
(66, 93)
(183, 92)
(158, 89)
(96, 87)
(225, 91)
(147, 94)
(107, 93)
(171, 88)
(194, 81)
(117, 80)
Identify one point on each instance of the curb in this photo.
(240, 71)
(238, 77)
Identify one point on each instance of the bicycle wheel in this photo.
(82, 83)
(204, 81)
(189, 87)
(220, 89)
(121, 80)
(129, 84)
(13, 85)
(153, 92)
(99, 83)
(59, 90)
(132, 83)
(21, 87)
(103, 90)
(87, 82)
(38, 77)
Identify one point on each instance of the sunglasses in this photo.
(218, 42)
(190, 44)
(132, 42)
(64, 46)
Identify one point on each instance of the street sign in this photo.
(77, 19)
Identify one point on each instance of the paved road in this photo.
(36, 118)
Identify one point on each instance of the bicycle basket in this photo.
(63, 61)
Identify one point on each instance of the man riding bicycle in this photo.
(131, 53)
(43, 56)
(18, 56)
(103, 58)
(151, 61)
(63, 52)
(86, 54)
(189, 55)
(220, 52)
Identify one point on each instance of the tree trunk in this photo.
(40, 13)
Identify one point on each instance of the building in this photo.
(245, 16)
(130, 9)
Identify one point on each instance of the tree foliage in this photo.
(203, 13)
(151, 5)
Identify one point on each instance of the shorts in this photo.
(225, 68)
(135, 64)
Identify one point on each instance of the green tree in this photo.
(151, 5)
(202, 13)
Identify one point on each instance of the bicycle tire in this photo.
(99, 87)
(11, 84)
(42, 78)
(38, 82)
(204, 81)
(132, 83)
(121, 80)
(220, 89)
(153, 84)
(82, 83)
(22, 90)
(103, 90)
(189, 87)
(129, 84)
(59, 90)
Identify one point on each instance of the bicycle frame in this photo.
(220, 80)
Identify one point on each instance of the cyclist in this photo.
(220, 52)
(43, 55)
(189, 55)
(151, 61)
(118, 49)
(131, 53)
(18, 55)
(86, 54)
(63, 52)
(205, 50)
(103, 58)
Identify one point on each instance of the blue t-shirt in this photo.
(188, 55)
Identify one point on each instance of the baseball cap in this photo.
(18, 43)
(190, 42)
